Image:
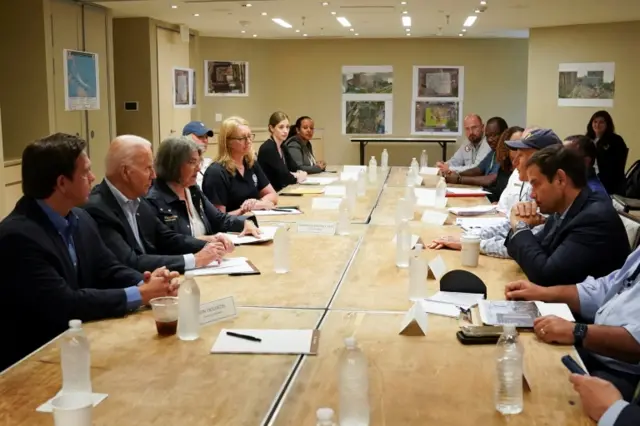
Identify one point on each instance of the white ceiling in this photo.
(375, 18)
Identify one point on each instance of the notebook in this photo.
(290, 342)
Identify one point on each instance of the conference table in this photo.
(342, 285)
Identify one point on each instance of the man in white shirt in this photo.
(472, 152)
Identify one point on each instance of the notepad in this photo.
(473, 211)
(268, 232)
(289, 342)
(466, 192)
(307, 190)
(275, 212)
(318, 180)
(233, 265)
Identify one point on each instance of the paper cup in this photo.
(72, 409)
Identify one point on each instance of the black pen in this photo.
(242, 274)
(290, 194)
(243, 336)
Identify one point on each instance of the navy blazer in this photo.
(41, 289)
(629, 416)
(162, 246)
(172, 211)
(590, 241)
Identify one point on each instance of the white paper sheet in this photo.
(466, 191)
(429, 171)
(473, 211)
(273, 342)
(233, 265)
(335, 191)
(558, 309)
(326, 203)
(438, 308)
(434, 218)
(438, 267)
(275, 213)
(469, 224)
(463, 300)
(313, 180)
(48, 408)
(268, 232)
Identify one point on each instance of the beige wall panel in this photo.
(303, 77)
(99, 130)
(172, 52)
(548, 47)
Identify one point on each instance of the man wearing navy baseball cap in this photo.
(200, 135)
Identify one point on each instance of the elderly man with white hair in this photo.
(128, 224)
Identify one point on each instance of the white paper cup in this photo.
(72, 409)
(470, 250)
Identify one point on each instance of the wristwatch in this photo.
(520, 226)
(579, 334)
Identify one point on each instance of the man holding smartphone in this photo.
(609, 344)
(603, 402)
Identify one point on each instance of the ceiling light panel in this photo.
(282, 23)
(343, 21)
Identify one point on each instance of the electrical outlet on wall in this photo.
(218, 118)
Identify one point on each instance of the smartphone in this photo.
(477, 340)
(481, 330)
(572, 365)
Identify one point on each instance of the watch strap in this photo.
(579, 334)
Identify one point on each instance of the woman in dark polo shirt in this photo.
(178, 201)
(235, 182)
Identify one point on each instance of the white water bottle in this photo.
(424, 159)
(384, 159)
(415, 167)
(441, 192)
(352, 193)
(417, 275)
(189, 308)
(401, 211)
(75, 359)
(362, 183)
(324, 417)
(410, 199)
(353, 386)
(509, 370)
(403, 244)
(344, 218)
(281, 250)
(373, 169)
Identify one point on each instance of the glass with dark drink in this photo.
(165, 313)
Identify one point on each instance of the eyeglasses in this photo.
(251, 137)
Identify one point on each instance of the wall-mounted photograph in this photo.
(367, 80)
(588, 84)
(436, 117)
(438, 83)
(366, 117)
(82, 81)
(182, 88)
(226, 78)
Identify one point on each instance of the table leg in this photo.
(444, 151)
(362, 144)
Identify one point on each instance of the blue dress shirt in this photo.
(66, 226)
(489, 165)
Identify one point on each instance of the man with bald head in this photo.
(130, 227)
(472, 152)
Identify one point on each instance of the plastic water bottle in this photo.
(75, 358)
(281, 250)
(325, 417)
(441, 192)
(362, 183)
(403, 244)
(384, 159)
(415, 167)
(424, 159)
(417, 275)
(508, 382)
(189, 308)
(401, 211)
(352, 192)
(344, 218)
(354, 386)
(373, 169)
(410, 199)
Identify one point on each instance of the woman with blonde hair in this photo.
(274, 157)
(235, 182)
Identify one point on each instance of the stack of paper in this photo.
(463, 300)
(474, 223)
(258, 341)
(278, 211)
(233, 265)
(520, 313)
(313, 180)
(466, 192)
(473, 211)
(267, 234)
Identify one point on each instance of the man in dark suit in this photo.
(55, 266)
(603, 402)
(583, 236)
(130, 227)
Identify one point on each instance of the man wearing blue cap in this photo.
(583, 236)
(200, 135)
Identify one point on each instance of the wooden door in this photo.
(98, 121)
(66, 29)
(172, 52)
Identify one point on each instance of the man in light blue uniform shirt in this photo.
(610, 344)
(472, 152)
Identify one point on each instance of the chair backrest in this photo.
(632, 226)
(632, 185)
(618, 205)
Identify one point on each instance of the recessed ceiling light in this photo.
(470, 21)
(173, 6)
(464, 30)
(404, 12)
(248, 5)
(282, 23)
(406, 21)
(196, 14)
(407, 29)
(297, 31)
(408, 34)
(483, 2)
(255, 35)
(343, 21)
(477, 11)
(333, 13)
(243, 31)
(460, 34)
(403, 2)
(304, 35)
(351, 29)
(264, 13)
(356, 34)
(325, 3)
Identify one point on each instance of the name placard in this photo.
(217, 310)
(325, 203)
(318, 228)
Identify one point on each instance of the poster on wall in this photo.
(193, 88)
(367, 100)
(589, 84)
(436, 105)
(182, 88)
(226, 78)
(82, 81)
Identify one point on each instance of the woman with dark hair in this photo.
(299, 145)
(612, 152)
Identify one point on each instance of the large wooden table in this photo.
(343, 286)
